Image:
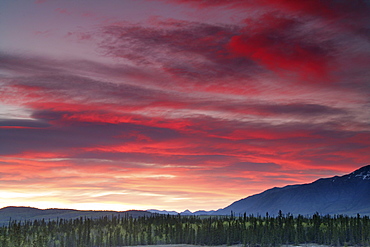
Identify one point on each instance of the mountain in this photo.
(202, 212)
(29, 213)
(186, 212)
(348, 194)
(155, 211)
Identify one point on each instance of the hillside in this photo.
(348, 194)
(29, 213)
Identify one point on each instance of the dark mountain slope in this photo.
(348, 194)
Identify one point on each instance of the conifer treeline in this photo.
(198, 230)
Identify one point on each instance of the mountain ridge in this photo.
(272, 200)
(31, 213)
(347, 194)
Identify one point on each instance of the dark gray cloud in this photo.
(24, 123)
(196, 51)
(63, 135)
(72, 101)
(252, 166)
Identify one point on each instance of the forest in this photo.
(247, 230)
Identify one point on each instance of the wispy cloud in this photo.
(171, 108)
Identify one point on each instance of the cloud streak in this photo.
(169, 108)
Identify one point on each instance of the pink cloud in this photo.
(40, 1)
(63, 11)
(270, 41)
(182, 106)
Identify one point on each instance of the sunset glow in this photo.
(178, 104)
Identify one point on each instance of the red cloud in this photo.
(201, 104)
(287, 38)
(18, 127)
(272, 42)
(324, 8)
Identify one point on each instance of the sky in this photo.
(178, 104)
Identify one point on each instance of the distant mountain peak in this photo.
(186, 212)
